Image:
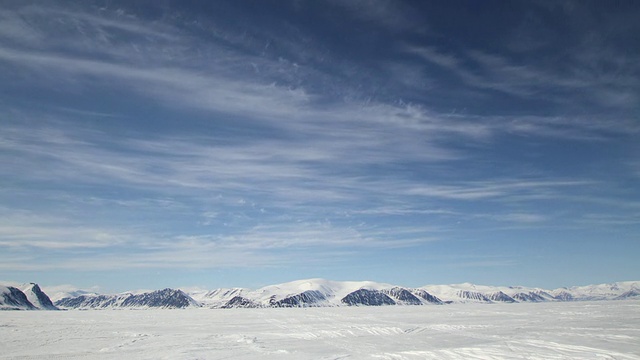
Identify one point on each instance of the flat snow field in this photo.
(580, 330)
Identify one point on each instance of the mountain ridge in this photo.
(367, 293)
(37, 297)
(166, 298)
(12, 298)
(315, 293)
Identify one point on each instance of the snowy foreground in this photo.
(576, 330)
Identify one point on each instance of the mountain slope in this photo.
(367, 297)
(315, 293)
(12, 298)
(599, 291)
(320, 292)
(323, 293)
(219, 297)
(466, 292)
(37, 297)
(167, 299)
(631, 294)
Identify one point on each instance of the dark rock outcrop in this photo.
(423, 294)
(402, 296)
(167, 298)
(368, 298)
(240, 302)
(304, 299)
(501, 297)
(14, 299)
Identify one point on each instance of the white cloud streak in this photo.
(533, 81)
(332, 169)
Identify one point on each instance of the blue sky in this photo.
(159, 144)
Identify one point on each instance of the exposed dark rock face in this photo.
(631, 294)
(14, 299)
(528, 297)
(473, 295)
(304, 299)
(167, 298)
(43, 301)
(368, 298)
(564, 296)
(239, 302)
(402, 296)
(501, 297)
(423, 294)
(87, 301)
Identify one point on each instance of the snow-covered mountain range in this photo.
(461, 293)
(313, 293)
(319, 292)
(167, 298)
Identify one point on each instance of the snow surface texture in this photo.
(550, 330)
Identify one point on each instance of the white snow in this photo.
(4, 290)
(9, 301)
(553, 330)
(29, 291)
(601, 291)
(334, 290)
(589, 292)
(215, 298)
(58, 292)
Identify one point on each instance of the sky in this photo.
(153, 144)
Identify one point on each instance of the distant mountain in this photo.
(609, 291)
(24, 297)
(499, 296)
(320, 292)
(316, 293)
(461, 293)
(402, 296)
(56, 295)
(37, 297)
(530, 297)
(239, 302)
(12, 298)
(563, 295)
(167, 299)
(464, 293)
(367, 297)
(631, 294)
(426, 297)
(305, 298)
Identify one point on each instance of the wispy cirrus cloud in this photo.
(585, 82)
(497, 189)
(393, 15)
(175, 139)
(28, 229)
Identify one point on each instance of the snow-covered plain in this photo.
(555, 330)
